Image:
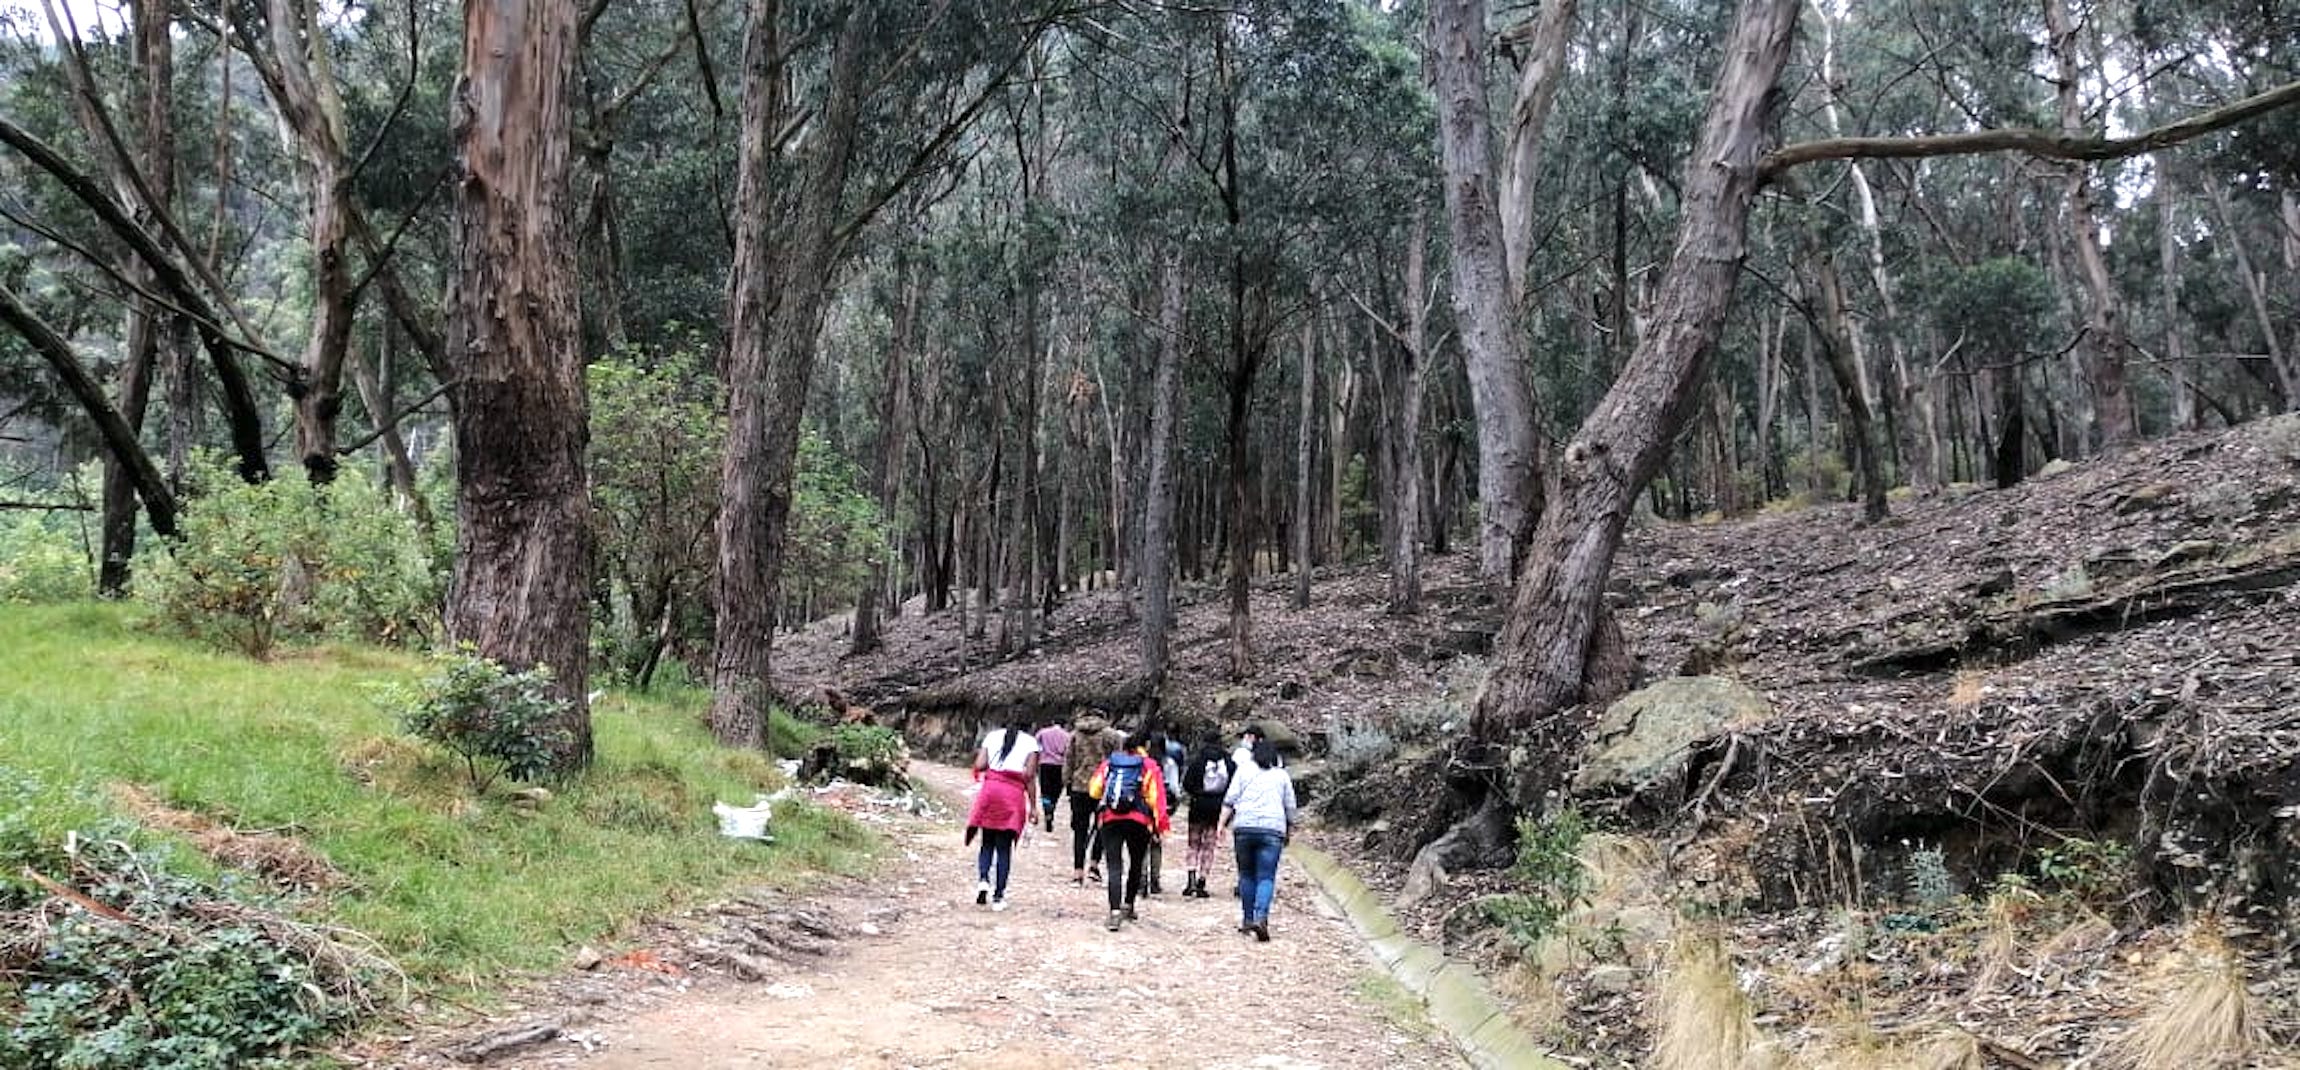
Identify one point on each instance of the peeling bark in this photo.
(523, 538)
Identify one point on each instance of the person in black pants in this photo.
(1091, 740)
(1131, 791)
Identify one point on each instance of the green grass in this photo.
(459, 890)
(1404, 1009)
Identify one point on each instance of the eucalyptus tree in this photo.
(521, 591)
(844, 105)
(1559, 646)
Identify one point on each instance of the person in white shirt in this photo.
(1259, 810)
(1007, 765)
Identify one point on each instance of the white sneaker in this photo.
(981, 892)
(998, 904)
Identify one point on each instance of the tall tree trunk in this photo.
(1405, 479)
(777, 296)
(1017, 625)
(523, 538)
(398, 466)
(1305, 478)
(1155, 562)
(2176, 368)
(1544, 40)
(1122, 566)
(1838, 348)
(151, 331)
(1919, 438)
(2104, 338)
(1509, 463)
(886, 459)
(1559, 645)
(2285, 362)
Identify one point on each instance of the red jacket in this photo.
(1153, 795)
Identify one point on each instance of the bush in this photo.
(1361, 747)
(869, 744)
(42, 561)
(501, 723)
(1549, 873)
(200, 978)
(257, 563)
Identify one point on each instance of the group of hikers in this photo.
(1122, 788)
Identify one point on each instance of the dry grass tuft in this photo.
(1701, 1019)
(1953, 1049)
(282, 860)
(2204, 1017)
(1968, 691)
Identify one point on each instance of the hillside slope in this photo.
(2107, 648)
(2024, 778)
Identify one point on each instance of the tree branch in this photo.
(2034, 142)
(159, 503)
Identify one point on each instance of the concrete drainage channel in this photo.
(1458, 999)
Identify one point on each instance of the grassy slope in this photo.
(458, 889)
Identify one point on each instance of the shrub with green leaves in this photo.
(258, 563)
(42, 560)
(501, 723)
(164, 970)
(1549, 875)
(2092, 871)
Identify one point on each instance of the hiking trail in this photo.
(932, 980)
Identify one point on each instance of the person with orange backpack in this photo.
(1129, 790)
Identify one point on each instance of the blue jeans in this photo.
(1258, 851)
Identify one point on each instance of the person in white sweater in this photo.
(1259, 811)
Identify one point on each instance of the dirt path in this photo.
(944, 983)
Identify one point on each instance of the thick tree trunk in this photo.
(523, 538)
(1559, 645)
(2104, 342)
(1509, 464)
(1155, 562)
(777, 296)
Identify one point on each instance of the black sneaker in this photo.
(1129, 912)
(1262, 932)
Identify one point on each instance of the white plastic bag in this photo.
(745, 822)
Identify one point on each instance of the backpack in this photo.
(1214, 776)
(1122, 787)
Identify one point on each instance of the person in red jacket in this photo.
(1129, 790)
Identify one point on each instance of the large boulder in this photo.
(1644, 741)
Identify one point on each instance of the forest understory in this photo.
(2022, 784)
